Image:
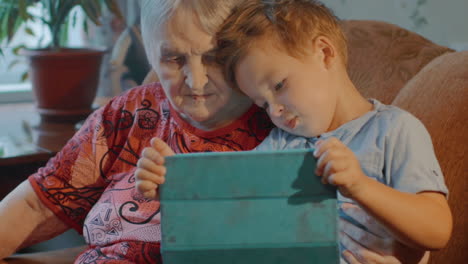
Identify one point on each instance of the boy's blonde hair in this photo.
(291, 25)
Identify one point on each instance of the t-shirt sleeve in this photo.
(279, 139)
(73, 180)
(411, 162)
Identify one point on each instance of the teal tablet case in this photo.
(247, 207)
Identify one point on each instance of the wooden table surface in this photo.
(24, 138)
(62, 256)
(26, 143)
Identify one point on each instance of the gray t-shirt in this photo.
(392, 146)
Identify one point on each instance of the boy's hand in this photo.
(337, 165)
(150, 170)
(374, 245)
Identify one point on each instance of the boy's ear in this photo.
(324, 48)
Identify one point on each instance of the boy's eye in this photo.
(279, 85)
(175, 59)
(265, 106)
(209, 58)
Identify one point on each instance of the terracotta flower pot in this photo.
(64, 82)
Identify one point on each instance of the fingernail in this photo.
(347, 205)
(346, 253)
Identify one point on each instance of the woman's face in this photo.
(194, 84)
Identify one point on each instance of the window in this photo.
(12, 88)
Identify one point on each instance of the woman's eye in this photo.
(279, 85)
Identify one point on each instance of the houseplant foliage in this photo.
(56, 15)
(64, 79)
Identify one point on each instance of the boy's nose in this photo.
(276, 110)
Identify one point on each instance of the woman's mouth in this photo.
(199, 97)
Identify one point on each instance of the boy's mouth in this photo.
(291, 123)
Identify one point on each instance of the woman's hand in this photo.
(150, 172)
(375, 246)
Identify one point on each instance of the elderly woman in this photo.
(89, 184)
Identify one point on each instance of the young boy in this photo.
(290, 57)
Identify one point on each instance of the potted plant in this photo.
(64, 79)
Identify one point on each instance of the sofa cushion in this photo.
(438, 96)
(383, 57)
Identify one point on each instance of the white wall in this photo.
(447, 20)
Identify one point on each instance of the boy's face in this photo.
(297, 94)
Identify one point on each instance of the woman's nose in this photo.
(197, 77)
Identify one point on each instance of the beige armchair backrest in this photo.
(430, 81)
(438, 96)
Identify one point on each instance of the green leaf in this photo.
(91, 12)
(11, 24)
(24, 76)
(75, 14)
(114, 8)
(51, 7)
(5, 17)
(13, 64)
(85, 27)
(22, 9)
(29, 31)
(63, 38)
(96, 5)
(16, 50)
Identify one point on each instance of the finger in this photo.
(339, 179)
(335, 173)
(144, 175)
(360, 216)
(333, 167)
(148, 165)
(323, 159)
(366, 239)
(360, 253)
(153, 155)
(349, 257)
(145, 186)
(151, 194)
(325, 177)
(331, 151)
(322, 145)
(161, 146)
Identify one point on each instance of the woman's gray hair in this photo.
(155, 14)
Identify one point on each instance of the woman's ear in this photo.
(324, 48)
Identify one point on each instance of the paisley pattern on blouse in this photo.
(90, 183)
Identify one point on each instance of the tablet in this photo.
(247, 207)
